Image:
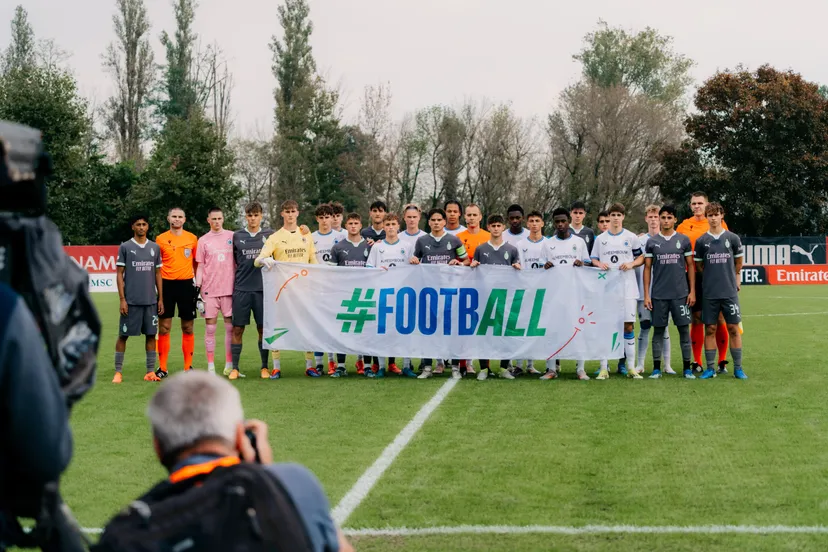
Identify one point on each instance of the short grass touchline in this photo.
(354, 497)
(783, 314)
(585, 530)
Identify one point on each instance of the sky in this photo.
(444, 51)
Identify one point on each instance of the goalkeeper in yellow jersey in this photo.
(288, 245)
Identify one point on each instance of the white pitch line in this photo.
(784, 314)
(367, 480)
(586, 530)
(570, 530)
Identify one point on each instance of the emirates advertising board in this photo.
(796, 260)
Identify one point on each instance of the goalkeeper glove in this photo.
(268, 262)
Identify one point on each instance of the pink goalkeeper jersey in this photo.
(216, 264)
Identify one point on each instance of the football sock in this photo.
(530, 364)
(697, 341)
(188, 348)
(665, 354)
(228, 342)
(210, 342)
(604, 364)
(330, 357)
(710, 357)
(163, 346)
(550, 364)
(382, 361)
(119, 361)
(150, 361)
(263, 354)
(629, 347)
(684, 343)
(737, 357)
(392, 360)
(579, 366)
(406, 362)
(722, 342)
(656, 365)
(236, 349)
(308, 360)
(340, 359)
(643, 342)
(658, 343)
(277, 363)
(319, 358)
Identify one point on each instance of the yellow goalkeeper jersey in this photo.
(289, 247)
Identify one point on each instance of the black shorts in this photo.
(243, 303)
(728, 307)
(140, 319)
(697, 306)
(181, 294)
(664, 308)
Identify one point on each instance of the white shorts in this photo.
(644, 314)
(212, 306)
(630, 309)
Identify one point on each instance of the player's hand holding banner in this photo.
(445, 311)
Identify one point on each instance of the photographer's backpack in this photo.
(240, 508)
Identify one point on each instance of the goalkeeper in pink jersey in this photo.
(215, 275)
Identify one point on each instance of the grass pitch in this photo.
(524, 452)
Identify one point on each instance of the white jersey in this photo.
(532, 253)
(617, 249)
(386, 255)
(508, 237)
(456, 231)
(566, 252)
(411, 239)
(323, 243)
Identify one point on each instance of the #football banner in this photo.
(440, 311)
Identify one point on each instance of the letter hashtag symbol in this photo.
(357, 311)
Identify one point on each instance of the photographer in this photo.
(211, 452)
(35, 440)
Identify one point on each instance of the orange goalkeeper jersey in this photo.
(694, 229)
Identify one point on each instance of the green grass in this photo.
(568, 453)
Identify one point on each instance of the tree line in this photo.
(625, 131)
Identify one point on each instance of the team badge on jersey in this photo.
(365, 252)
(506, 255)
(229, 242)
(448, 247)
(626, 243)
(678, 245)
(188, 252)
(727, 243)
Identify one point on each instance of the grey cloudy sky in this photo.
(442, 51)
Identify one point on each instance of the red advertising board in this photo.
(99, 262)
(787, 275)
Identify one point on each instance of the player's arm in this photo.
(699, 260)
(120, 268)
(418, 253)
(461, 257)
(584, 253)
(312, 253)
(738, 260)
(265, 257)
(691, 277)
(158, 283)
(119, 279)
(476, 261)
(638, 257)
(648, 268)
(194, 257)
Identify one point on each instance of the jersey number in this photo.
(155, 320)
(684, 310)
(734, 309)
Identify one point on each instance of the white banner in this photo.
(444, 311)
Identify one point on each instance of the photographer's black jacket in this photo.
(35, 440)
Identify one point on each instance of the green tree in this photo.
(308, 139)
(757, 144)
(643, 62)
(22, 51)
(129, 60)
(178, 87)
(191, 167)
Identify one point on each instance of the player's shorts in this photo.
(181, 294)
(243, 303)
(729, 307)
(140, 319)
(697, 306)
(664, 308)
(630, 308)
(223, 303)
(644, 314)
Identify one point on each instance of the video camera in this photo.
(56, 291)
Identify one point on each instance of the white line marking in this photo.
(366, 482)
(796, 297)
(784, 314)
(585, 530)
(569, 530)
